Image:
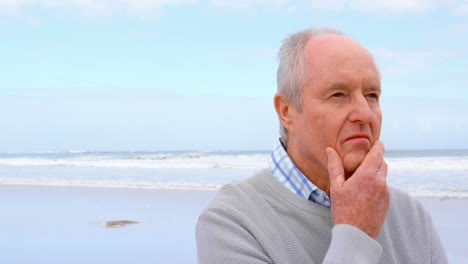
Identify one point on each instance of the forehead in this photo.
(333, 58)
(335, 46)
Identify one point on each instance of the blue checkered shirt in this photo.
(285, 171)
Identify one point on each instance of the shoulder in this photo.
(409, 229)
(405, 208)
(243, 203)
(398, 195)
(237, 194)
(404, 200)
(228, 226)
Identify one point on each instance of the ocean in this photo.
(423, 173)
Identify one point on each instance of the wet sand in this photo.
(81, 225)
(68, 225)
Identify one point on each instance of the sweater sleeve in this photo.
(351, 245)
(438, 254)
(221, 239)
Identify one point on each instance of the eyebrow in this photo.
(341, 85)
(337, 86)
(374, 88)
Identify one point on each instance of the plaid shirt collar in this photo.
(285, 171)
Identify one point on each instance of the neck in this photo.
(313, 171)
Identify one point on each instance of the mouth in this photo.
(358, 137)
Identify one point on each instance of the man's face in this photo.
(340, 105)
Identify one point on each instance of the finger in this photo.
(335, 168)
(383, 169)
(374, 158)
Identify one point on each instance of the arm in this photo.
(221, 240)
(359, 206)
(223, 235)
(351, 245)
(438, 255)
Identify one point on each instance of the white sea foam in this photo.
(205, 161)
(428, 163)
(437, 193)
(444, 176)
(417, 191)
(115, 184)
(155, 161)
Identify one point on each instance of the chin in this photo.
(352, 161)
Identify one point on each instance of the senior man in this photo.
(324, 197)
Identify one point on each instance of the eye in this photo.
(337, 95)
(373, 95)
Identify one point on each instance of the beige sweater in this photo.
(258, 220)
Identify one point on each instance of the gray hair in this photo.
(292, 72)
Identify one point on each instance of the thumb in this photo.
(335, 168)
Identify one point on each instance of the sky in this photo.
(158, 75)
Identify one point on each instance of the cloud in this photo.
(143, 35)
(421, 123)
(252, 7)
(253, 54)
(396, 6)
(92, 8)
(331, 4)
(154, 8)
(144, 122)
(461, 10)
(366, 6)
(397, 62)
(462, 28)
(288, 6)
(460, 79)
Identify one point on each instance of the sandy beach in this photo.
(68, 225)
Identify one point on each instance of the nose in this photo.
(361, 111)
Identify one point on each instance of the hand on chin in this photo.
(352, 161)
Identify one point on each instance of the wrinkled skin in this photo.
(362, 200)
(334, 138)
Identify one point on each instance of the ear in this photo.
(285, 111)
